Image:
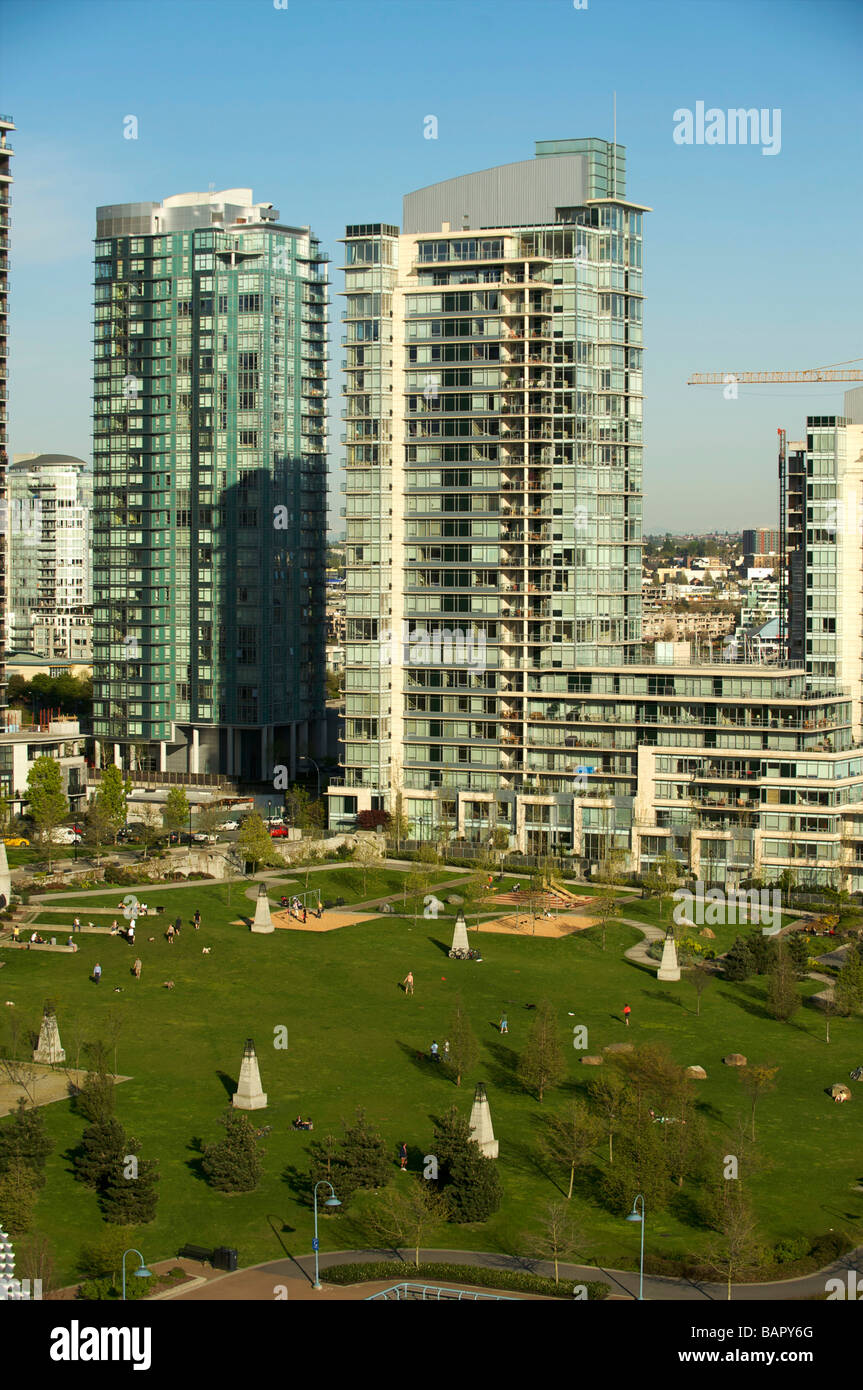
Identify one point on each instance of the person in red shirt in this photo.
(626, 1012)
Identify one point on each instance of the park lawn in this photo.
(20, 855)
(648, 910)
(355, 1039)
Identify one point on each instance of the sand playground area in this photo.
(521, 924)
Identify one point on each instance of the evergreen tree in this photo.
(103, 1146)
(762, 952)
(128, 1200)
(19, 1189)
(738, 963)
(798, 951)
(783, 999)
(541, 1064)
(234, 1163)
(359, 1159)
(468, 1180)
(24, 1138)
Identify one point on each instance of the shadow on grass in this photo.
(665, 996)
(422, 1060)
(228, 1082)
(441, 945)
(196, 1165)
(503, 1067)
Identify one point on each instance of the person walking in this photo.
(435, 1052)
(626, 1012)
(504, 1026)
(408, 982)
(97, 973)
(170, 933)
(76, 925)
(178, 922)
(197, 919)
(446, 1051)
(403, 1157)
(130, 934)
(136, 969)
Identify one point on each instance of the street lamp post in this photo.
(269, 812)
(635, 1215)
(332, 1201)
(142, 1272)
(307, 759)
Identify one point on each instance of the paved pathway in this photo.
(258, 1281)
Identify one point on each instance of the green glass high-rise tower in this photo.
(209, 506)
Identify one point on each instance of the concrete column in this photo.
(230, 751)
(117, 755)
(97, 752)
(163, 757)
(194, 751)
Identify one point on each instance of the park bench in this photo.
(196, 1252)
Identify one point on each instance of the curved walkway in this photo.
(250, 1283)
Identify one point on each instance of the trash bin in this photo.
(225, 1258)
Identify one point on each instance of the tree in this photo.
(757, 1079)
(103, 1146)
(848, 991)
(95, 1099)
(175, 812)
(104, 1256)
(112, 797)
(99, 828)
(129, 1195)
(798, 950)
(399, 828)
(557, 1238)
(669, 873)
(568, 1138)
(737, 1250)
(463, 1047)
(541, 1064)
(234, 1163)
(605, 907)
(367, 855)
(359, 1159)
(46, 798)
(374, 820)
(608, 1093)
(19, 1189)
(254, 843)
(738, 961)
(148, 827)
(24, 1139)
(421, 880)
(397, 1215)
(469, 1180)
(783, 1000)
(701, 978)
(35, 1260)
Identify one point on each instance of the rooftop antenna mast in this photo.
(614, 150)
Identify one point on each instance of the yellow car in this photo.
(16, 841)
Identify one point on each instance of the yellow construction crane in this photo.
(839, 371)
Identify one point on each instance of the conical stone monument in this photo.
(249, 1095)
(49, 1049)
(480, 1123)
(459, 936)
(263, 921)
(5, 876)
(668, 967)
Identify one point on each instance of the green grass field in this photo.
(354, 1039)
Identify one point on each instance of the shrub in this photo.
(502, 1279)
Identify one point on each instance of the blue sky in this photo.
(752, 260)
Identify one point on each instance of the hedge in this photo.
(516, 1280)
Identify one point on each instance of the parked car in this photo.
(15, 841)
(230, 825)
(280, 832)
(201, 838)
